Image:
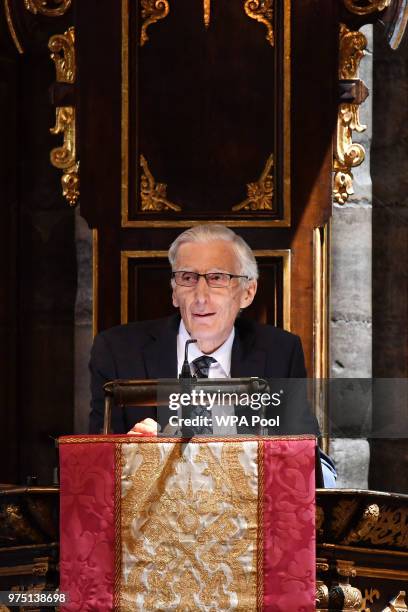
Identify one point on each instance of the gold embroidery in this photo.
(189, 523)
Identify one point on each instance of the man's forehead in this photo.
(212, 247)
(217, 254)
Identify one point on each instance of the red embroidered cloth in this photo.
(212, 524)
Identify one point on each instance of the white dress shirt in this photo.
(222, 369)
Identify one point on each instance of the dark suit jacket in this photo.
(148, 350)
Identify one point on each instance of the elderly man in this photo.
(214, 277)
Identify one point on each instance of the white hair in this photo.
(210, 232)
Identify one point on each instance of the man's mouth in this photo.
(203, 315)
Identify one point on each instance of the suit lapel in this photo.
(160, 354)
(247, 359)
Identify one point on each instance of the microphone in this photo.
(185, 370)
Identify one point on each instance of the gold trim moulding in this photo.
(262, 11)
(348, 154)
(125, 256)
(152, 12)
(124, 277)
(381, 572)
(11, 27)
(119, 439)
(151, 9)
(49, 8)
(321, 294)
(361, 549)
(366, 7)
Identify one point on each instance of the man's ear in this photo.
(249, 293)
(174, 298)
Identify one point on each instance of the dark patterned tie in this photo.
(201, 367)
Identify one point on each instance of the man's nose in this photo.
(201, 289)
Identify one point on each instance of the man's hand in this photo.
(147, 427)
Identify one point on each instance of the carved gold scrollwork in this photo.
(49, 8)
(262, 11)
(397, 604)
(260, 194)
(369, 598)
(367, 522)
(345, 597)
(62, 47)
(348, 155)
(366, 7)
(322, 595)
(64, 157)
(152, 11)
(391, 529)
(153, 195)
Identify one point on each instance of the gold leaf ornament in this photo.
(262, 11)
(366, 7)
(260, 193)
(48, 8)
(152, 11)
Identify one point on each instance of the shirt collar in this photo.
(222, 355)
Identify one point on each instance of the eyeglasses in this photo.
(214, 279)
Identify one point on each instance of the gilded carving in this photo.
(70, 184)
(16, 526)
(348, 155)
(207, 12)
(366, 7)
(153, 195)
(369, 598)
(49, 8)
(397, 604)
(345, 597)
(62, 47)
(260, 194)
(365, 525)
(262, 11)
(391, 529)
(322, 595)
(345, 568)
(152, 11)
(64, 157)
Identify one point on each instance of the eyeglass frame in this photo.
(198, 275)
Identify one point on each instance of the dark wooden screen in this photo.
(186, 118)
